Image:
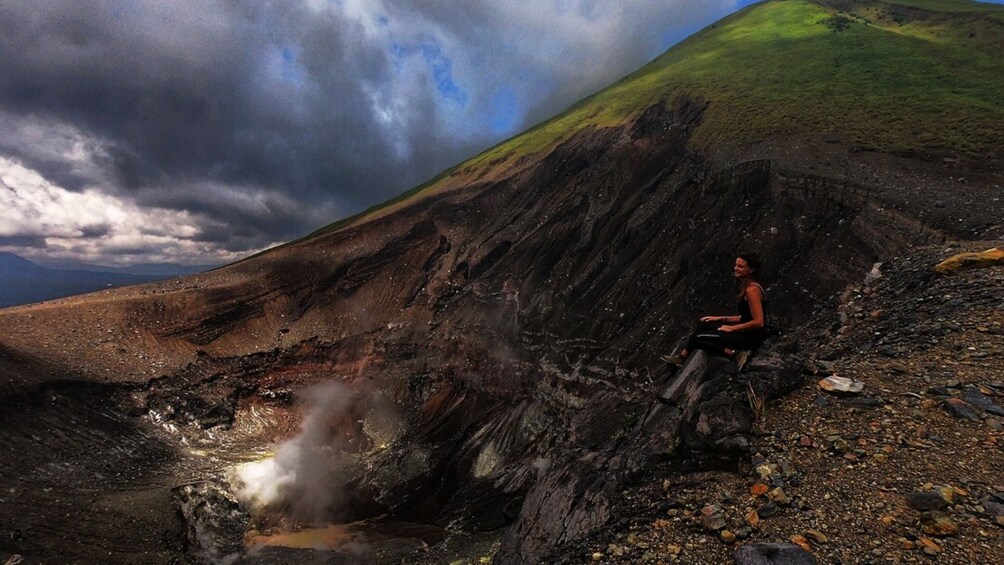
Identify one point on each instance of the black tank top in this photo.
(745, 314)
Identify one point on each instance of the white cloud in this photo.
(92, 226)
(250, 122)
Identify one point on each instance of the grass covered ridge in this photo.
(909, 75)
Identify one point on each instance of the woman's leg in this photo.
(725, 343)
(700, 328)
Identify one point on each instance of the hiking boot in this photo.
(676, 359)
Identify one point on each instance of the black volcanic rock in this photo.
(773, 554)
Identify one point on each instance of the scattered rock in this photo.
(773, 554)
(727, 536)
(767, 510)
(929, 546)
(821, 401)
(866, 402)
(977, 398)
(993, 504)
(961, 409)
(712, 517)
(778, 496)
(938, 524)
(926, 501)
(801, 541)
(817, 535)
(841, 385)
(767, 470)
(938, 391)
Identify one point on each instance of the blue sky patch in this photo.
(505, 112)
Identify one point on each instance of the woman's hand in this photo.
(727, 329)
(712, 318)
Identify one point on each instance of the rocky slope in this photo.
(907, 470)
(511, 314)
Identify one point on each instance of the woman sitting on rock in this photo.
(723, 335)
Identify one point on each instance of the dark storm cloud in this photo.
(265, 120)
(29, 241)
(183, 90)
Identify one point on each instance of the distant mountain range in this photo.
(23, 281)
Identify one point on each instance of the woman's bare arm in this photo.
(754, 297)
(727, 319)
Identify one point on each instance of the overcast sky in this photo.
(198, 132)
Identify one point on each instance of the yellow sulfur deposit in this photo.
(988, 258)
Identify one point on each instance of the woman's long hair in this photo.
(755, 265)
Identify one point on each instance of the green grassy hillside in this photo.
(913, 75)
(910, 75)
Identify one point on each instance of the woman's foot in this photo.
(676, 360)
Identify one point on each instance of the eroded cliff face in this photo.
(511, 322)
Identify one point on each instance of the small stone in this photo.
(597, 556)
(948, 493)
(712, 517)
(817, 535)
(778, 495)
(961, 409)
(759, 489)
(929, 546)
(938, 524)
(840, 445)
(866, 402)
(801, 541)
(977, 398)
(993, 504)
(767, 510)
(727, 536)
(673, 549)
(766, 470)
(938, 391)
(908, 545)
(753, 518)
(805, 441)
(880, 457)
(634, 540)
(841, 385)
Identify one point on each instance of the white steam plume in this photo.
(305, 478)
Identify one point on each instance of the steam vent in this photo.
(471, 373)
